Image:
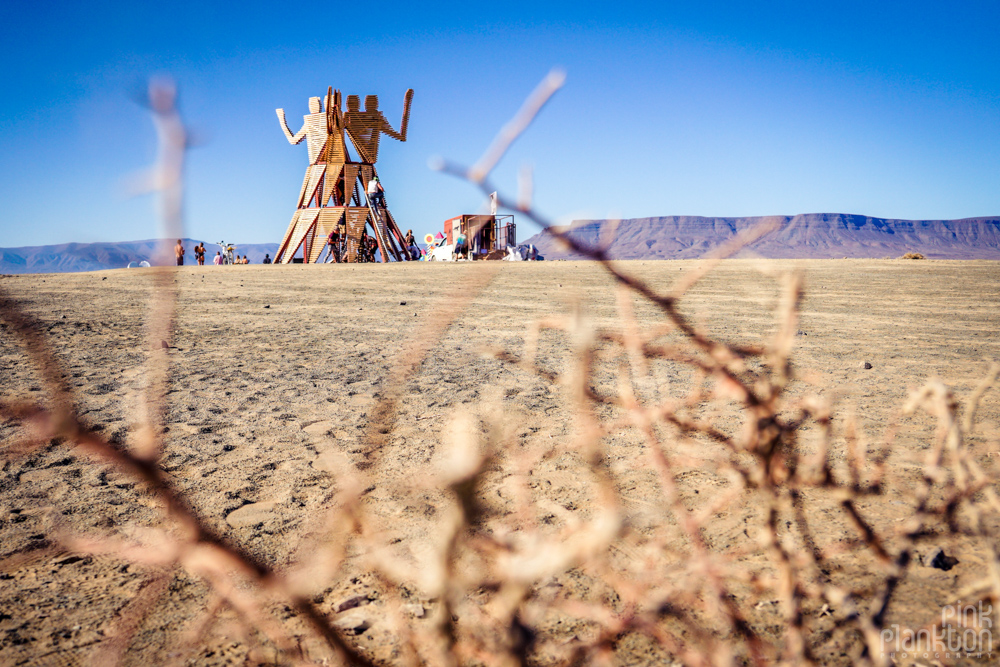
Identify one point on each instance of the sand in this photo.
(274, 373)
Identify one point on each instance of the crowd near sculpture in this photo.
(334, 205)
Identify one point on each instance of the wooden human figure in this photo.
(331, 178)
(365, 127)
(323, 130)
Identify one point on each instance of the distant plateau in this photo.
(808, 236)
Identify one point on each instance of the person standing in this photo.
(333, 240)
(218, 259)
(411, 242)
(267, 258)
(179, 253)
(461, 246)
(376, 193)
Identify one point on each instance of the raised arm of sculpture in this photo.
(387, 128)
(292, 138)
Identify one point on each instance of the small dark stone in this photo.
(267, 306)
(402, 303)
(104, 278)
(63, 317)
(866, 365)
(164, 345)
(360, 628)
(69, 561)
(352, 602)
(943, 562)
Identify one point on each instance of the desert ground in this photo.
(274, 376)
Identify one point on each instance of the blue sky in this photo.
(711, 108)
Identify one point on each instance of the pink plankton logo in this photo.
(965, 631)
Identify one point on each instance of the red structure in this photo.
(485, 233)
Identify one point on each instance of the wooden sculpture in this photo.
(335, 185)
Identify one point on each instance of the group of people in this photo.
(218, 260)
(367, 246)
(199, 253)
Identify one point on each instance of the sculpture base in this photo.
(314, 220)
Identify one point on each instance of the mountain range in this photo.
(70, 257)
(808, 236)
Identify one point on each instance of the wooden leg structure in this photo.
(332, 198)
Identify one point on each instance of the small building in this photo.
(485, 233)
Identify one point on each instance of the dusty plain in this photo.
(274, 371)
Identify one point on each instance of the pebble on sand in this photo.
(865, 365)
(352, 602)
(319, 428)
(939, 560)
(353, 623)
(416, 610)
(251, 515)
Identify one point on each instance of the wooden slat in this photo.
(308, 242)
(307, 217)
(287, 236)
(367, 171)
(334, 172)
(325, 223)
(350, 180)
(331, 216)
(305, 184)
(315, 174)
(356, 218)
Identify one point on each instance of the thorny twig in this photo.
(780, 470)
(491, 583)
